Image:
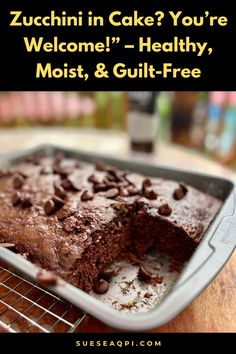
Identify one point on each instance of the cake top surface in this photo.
(64, 202)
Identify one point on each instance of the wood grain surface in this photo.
(215, 309)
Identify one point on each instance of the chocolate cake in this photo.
(74, 218)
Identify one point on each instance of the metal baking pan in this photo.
(130, 304)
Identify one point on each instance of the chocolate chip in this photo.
(26, 202)
(69, 185)
(109, 178)
(100, 187)
(114, 175)
(99, 166)
(58, 202)
(144, 274)
(180, 192)
(109, 183)
(164, 209)
(112, 193)
(93, 179)
(62, 171)
(16, 199)
(66, 184)
(64, 213)
(123, 192)
(101, 286)
(86, 196)
(150, 193)
(183, 187)
(46, 278)
(132, 190)
(18, 181)
(108, 274)
(146, 183)
(59, 191)
(7, 245)
(49, 207)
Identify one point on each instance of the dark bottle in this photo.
(182, 116)
(142, 120)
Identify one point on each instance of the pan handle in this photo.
(217, 249)
(224, 238)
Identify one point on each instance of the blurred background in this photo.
(166, 125)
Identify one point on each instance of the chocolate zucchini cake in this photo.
(74, 218)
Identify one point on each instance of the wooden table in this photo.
(215, 309)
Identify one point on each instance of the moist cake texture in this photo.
(74, 218)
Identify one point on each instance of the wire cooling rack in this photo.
(26, 307)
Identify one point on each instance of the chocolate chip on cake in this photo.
(100, 187)
(99, 166)
(58, 202)
(18, 181)
(109, 178)
(26, 201)
(69, 185)
(59, 171)
(93, 179)
(144, 274)
(16, 199)
(165, 209)
(66, 184)
(101, 286)
(86, 196)
(64, 213)
(132, 190)
(112, 193)
(59, 191)
(146, 183)
(150, 194)
(183, 187)
(180, 192)
(49, 207)
(114, 175)
(109, 183)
